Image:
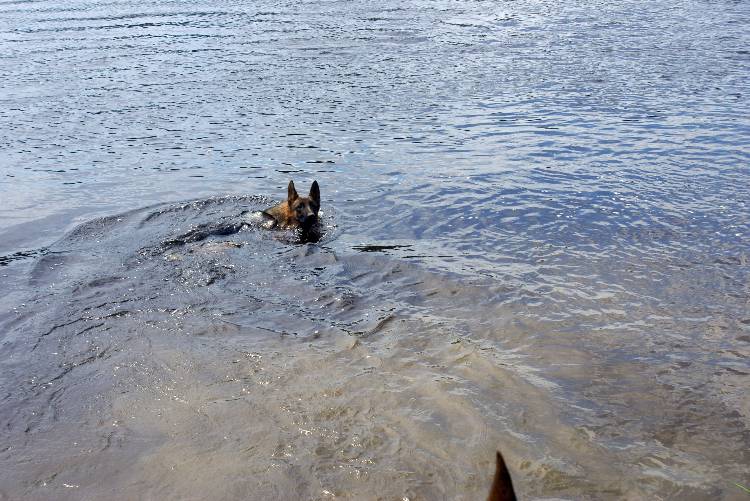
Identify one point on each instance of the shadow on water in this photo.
(378, 248)
(21, 255)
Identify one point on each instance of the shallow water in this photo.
(536, 222)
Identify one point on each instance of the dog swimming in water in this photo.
(296, 212)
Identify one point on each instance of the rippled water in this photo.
(537, 227)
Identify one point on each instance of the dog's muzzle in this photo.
(308, 219)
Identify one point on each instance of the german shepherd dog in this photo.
(297, 212)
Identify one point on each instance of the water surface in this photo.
(537, 229)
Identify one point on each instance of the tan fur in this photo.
(296, 211)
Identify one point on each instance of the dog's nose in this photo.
(307, 219)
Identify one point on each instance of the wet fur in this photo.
(296, 211)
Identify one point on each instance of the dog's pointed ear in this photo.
(291, 192)
(315, 192)
(502, 486)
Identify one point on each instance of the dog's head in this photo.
(304, 210)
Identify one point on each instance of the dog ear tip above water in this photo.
(315, 191)
(502, 485)
(291, 191)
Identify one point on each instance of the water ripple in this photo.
(542, 232)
